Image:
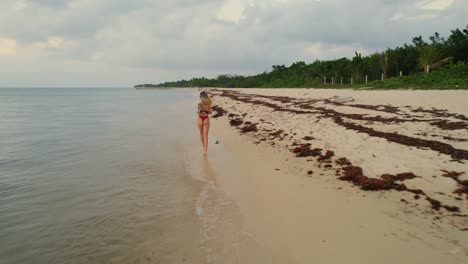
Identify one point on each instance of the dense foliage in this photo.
(438, 61)
(453, 76)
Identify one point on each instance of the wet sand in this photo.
(381, 179)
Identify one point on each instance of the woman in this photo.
(203, 120)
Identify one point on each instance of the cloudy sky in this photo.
(108, 43)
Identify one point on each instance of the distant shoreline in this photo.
(160, 88)
(341, 88)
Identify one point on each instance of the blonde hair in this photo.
(205, 99)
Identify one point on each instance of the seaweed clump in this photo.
(462, 184)
(219, 111)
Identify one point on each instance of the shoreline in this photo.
(335, 87)
(315, 215)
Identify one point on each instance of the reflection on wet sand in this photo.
(209, 173)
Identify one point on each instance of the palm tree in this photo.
(357, 64)
(322, 70)
(384, 63)
(430, 57)
(393, 59)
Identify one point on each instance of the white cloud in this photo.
(425, 16)
(20, 5)
(54, 42)
(397, 16)
(7, 46)
(233, 10)
(331, 51)
(423, 10)
(434, 4)
(154, 41)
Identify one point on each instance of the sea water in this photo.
(111, 176)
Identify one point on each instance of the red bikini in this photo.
(201, 111)
(203, 118)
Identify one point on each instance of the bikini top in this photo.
(202, 111)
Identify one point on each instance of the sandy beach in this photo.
(380, 179)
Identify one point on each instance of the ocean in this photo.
(112, 176)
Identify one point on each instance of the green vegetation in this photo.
(437, 64)
(454, 76)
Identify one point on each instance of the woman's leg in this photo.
(200, 128)
(206, 128)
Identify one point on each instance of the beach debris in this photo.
(434, 203)
(217, 142)
(219, 111)
(462, 184)
(438, 113)
(352, 173)
(452, 174)
(404, 176)
(277, 134)
(451, 138)
(337, 117)
(451, 208)
(462, 190)
(382, 108)
(327, 156)
(399, 177)
(236, 122)
(310, 172)
(343, 161)
(447, 125)
(249, 128)
(304, 150)
(341, 99)
(444, 148)
(355, 175)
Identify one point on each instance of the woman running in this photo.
(203, 120)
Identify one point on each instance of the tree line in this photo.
(410, 59)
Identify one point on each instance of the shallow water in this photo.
(111, 176)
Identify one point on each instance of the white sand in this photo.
(320, 219)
